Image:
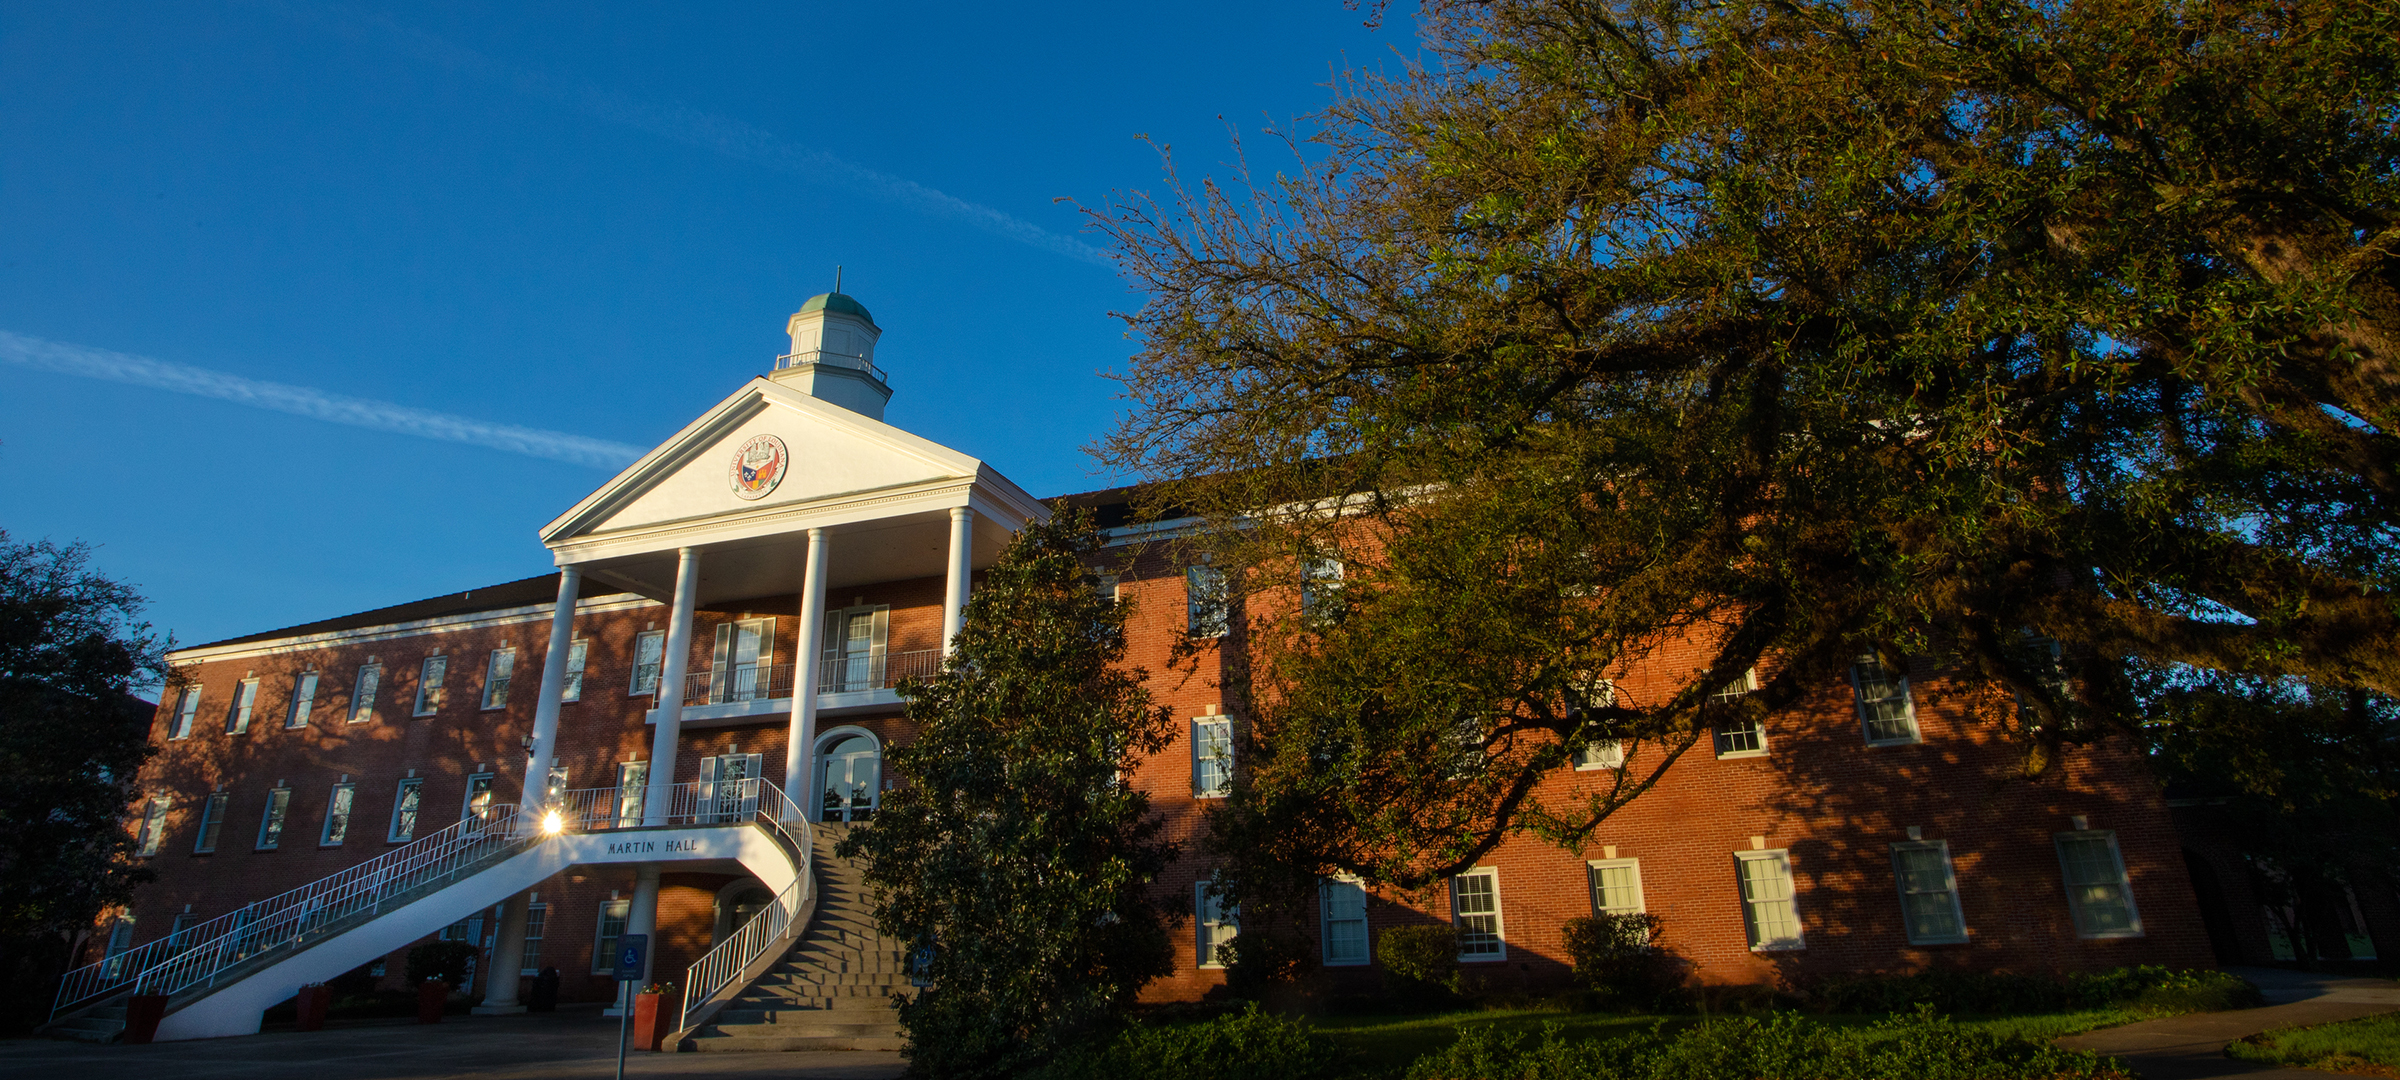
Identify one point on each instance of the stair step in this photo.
(715, 1043)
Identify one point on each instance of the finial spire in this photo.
(837, 277)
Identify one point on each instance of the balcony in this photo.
(741, 692)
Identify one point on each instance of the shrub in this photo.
(1250, 1044)
(1426, 956)
(444, 960)
(1617, 957)
(1921, 1045)
(2148, 988)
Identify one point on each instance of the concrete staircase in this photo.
(834, 990)
(99, 1024)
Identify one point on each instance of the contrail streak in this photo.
(68, 359)
(708, 131)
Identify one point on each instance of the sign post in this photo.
(632, 951)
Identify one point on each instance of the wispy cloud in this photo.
(719, 134)
(91, 363)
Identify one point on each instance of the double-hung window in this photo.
(429, 685)
(1207, 606)
(1475, 914)
(1883, 702)
(304, 700)
(1744, 735)
(154, 826)
(337, 815)
(245, 700)
(1600, 754)
(537, 916)
(1929, 893)
(2097, 891)
(649, 656)
(633, 792)
(270, 824)
(571, 688)
(496, 676)
(1216, 925)
(362, 696)
(1342, 913)
(212, 822)
(1586, 692)
(478, 806)
(604, 939)
(1770, 907)
(1212, 757)
(1320, 589)
(1616, 886)
(187, 708)
(405, 804)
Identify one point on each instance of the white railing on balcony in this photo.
(198, 955)
(835, 675)
(770, 928)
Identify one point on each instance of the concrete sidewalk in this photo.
(2193, 1047)
(575, 1043)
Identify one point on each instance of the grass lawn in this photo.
(1388, 1044)
(2370, 1046)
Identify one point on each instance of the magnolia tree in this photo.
(1016, 851)
(1800, 331)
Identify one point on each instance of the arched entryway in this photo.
(849, 774)
(737, 902)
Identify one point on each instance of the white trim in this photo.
(1791, 882)
(2124, 883)
(1958, 914)
(1592, 868)
(1224, 788)
(447, 624)
(1499, 920)
(1325, 920)
(1908, 702)
(1203, 950)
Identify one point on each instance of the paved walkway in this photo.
(2193, 1047)
(574, 1043)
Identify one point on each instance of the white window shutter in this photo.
(720, 668)
(883, 629)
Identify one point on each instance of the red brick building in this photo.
(738, 604)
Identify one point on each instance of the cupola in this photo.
(833, 355)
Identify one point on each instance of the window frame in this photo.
(407, 799)
(570, 687)
(2124, 883)
(604, 944)
(1499, 931)
(467, 808)
(1599, 755)
(1751, 725)
(653, 642)
(239, 711)
(1207, 602)
(633, 798)
(1781, 857)
(363, 688)
(1898, 676)
(340, 806)
(433, 675)
(1326, 890)
(212, 821)
(187, 713)
(152, 835)
(1592, 876)
(1228, 921)
(302, 707)
(499, 672)
(1900, 880)
(1223, 787)
(1321, 582)
(537, 920)
(272, 819)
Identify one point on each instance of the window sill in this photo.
(1938, 943)
(1738, 754)
(2112, 935)
(1598, 768)
(1918, 741)
(1794, 947)
(1347, 963)
(1502, 958)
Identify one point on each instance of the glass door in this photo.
(852, 778)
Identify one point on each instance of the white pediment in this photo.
(834, 454)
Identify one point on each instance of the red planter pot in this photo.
(313, 1001)
(649, 1020)
(142, 1014)
(431, 998)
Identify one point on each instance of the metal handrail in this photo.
(737, 682)
(195, 953)
(835, 675)
(769, 928)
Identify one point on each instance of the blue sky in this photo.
(581, 218)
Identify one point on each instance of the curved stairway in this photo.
(834, 990)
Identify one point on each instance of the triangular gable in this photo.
(833, 452)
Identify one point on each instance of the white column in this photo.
(641, 917)
(508, 959)
(954, 594)
(655, 802)
(554, 684)
(799, 757)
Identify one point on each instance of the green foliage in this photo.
(2146, 988)
(448, 961)
(1617, 956)
(2373, 1042)
(72, 739)
(1922, 1046)
(1424, 956)
(1802, 330)
(1251, 1044)
(1014, 845)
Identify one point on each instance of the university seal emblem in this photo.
(758, 466)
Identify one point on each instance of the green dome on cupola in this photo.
(836, 302)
